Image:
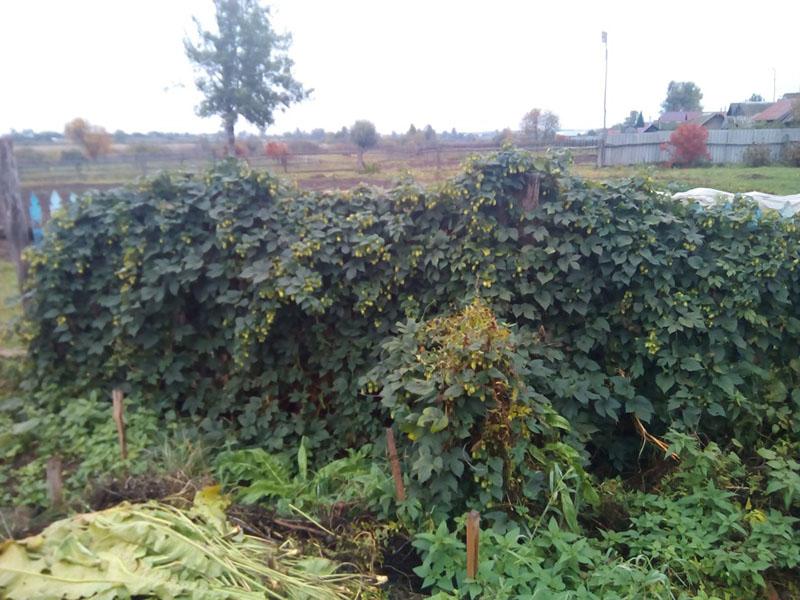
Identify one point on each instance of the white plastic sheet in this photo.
(787, 206)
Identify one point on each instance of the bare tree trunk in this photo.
(231, 136)
(361, 159)
(15, 225)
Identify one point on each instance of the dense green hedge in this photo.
(263, 308)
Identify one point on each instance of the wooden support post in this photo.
(397, 474)
(119, 419)
(601, 152)
(55, 484)
(473, 535)
(530, 200)
(13, 217)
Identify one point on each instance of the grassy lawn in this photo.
(772, 180)
(9, 305)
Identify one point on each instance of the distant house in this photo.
(672, 118)
(780, 113)
(648, 128)
(746, 110)
(710, 120)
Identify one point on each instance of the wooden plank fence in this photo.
(726, 146)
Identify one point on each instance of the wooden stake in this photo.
(55, 485)
(119, 419)
(397, 474)
(473, 534)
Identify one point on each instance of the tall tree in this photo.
(530, 123)
(756, 98)
(550, 124)
(630, 120)
(682, 95)
(246, 71)
(364, 136)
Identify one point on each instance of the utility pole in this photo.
(774, 79)
(605, 84)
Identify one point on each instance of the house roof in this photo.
(705, 117)
(747, 109)
(777, 112)
(678, 116)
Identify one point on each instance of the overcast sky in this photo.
(472, 65)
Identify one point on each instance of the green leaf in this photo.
(544, 298)
(665, 381)
(420, 387)
(641, 407)
(302, 459)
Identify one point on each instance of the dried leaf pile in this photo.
(156, 550)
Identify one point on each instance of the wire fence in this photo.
(68, 171)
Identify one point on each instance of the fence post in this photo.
(601, 152)
(55, 484)
(473, 534)
(397, 474)
(119, 419)
(15, 224)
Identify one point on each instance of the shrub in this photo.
(757, 156)
(790, 154)
(261, 309)
(465, 394)
(696, 539)
(687, 145)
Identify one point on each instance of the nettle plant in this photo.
(478, 433)
(260, 308)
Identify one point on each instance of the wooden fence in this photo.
(726, 146)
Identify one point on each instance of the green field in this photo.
(771, 180)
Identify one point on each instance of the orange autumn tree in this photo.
(688, 145)
(94, 140)
(279, 152)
